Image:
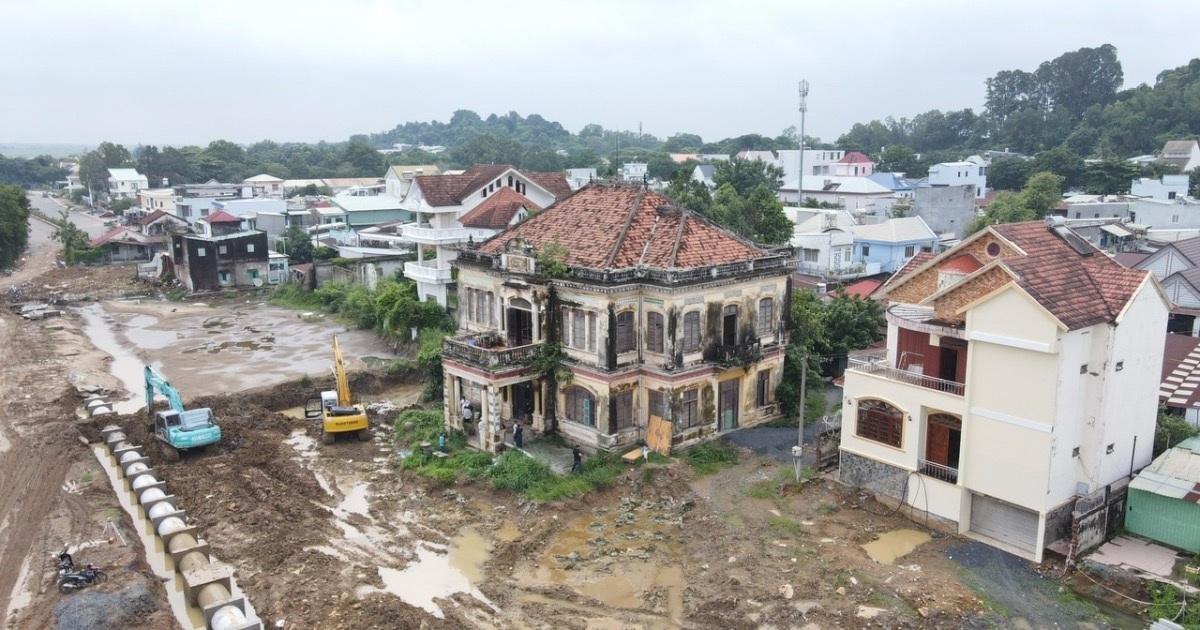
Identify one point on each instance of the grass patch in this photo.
(425, 425)
(826, 509)
(86, 477)
(785, 526)
(765, 489)
(708, 458)
(535, 480)
(295, 297)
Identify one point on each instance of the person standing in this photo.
(576, 460)
(442, 442)
(519, 436)
(467, 416)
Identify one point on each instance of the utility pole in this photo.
(803, 397)
(800, 181)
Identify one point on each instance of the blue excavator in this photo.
(178, 429)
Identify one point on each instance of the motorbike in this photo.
(70, 580)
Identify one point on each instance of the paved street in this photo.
(52, 207)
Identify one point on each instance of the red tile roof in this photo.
(451, 190)
(614, 227)
(1065, 282)
(220, 216)
(107, 236)
(151, 218)
(498, 211)
(961, 264)
(863, 288)
(556, 183)
(916, 261)
(1130, 259)
(853, 157)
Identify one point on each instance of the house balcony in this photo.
(740, 354)
(426, 234)
(429, 271)
(845, 272)
(938, 471)
(880, 369)
(487, 352)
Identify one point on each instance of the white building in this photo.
(399, 179)
(634, 171)
(1168, 188)
(1182, 153)
(580, 177)
(124, 183)
(151, 199)
(958, 174)
(265, 186)
(851, 193)
(1022, 373)
(816, 162)
(438, 202)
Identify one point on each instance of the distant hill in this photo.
(16, 149)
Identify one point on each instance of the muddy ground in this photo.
(336, 537)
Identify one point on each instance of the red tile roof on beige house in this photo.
(965, 263)
(498, 211)
(1079, 287)
(615, 227)
(452, 190)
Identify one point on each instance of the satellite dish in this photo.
(257, 282)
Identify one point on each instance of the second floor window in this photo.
(578, 329)
(654, 332)
(480, 305)
(626, 339)
(691, 331)
(766, 316)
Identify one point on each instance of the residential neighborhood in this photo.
(751, 361)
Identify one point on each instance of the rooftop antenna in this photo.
(803, 111)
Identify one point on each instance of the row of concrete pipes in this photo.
(208, 584)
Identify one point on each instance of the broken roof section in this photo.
(605, 226)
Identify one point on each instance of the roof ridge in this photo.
(649, 239)
(684, 214)
(637, 204)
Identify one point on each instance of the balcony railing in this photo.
(838, 273)
(748, 352)
(492, 359)
(884, 370)
(938, 471)
(428, 271)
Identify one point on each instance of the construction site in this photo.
(276, 527)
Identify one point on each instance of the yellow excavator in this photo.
(338, 415)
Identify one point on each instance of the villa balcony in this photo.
(429, 271)
(938, 471)
(426, 234)
(882, 370)
(847, 272)
(740, 354)
(486, 352)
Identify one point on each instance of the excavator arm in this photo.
(339, 373)
(156, 382)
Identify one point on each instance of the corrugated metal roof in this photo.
(1175, 473)
(900, 230)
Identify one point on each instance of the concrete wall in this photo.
(872, 474)
(946, 209)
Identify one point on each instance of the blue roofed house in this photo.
(893, 242)
(900, 185)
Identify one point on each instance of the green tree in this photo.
(728, 208)
(541, 160)
(682, 143)
(1006, 207)
(14, 224)
(297, 244)
(362, 160)
(746, 175)
(850, 323)
(1110, 176)
(690, 193)
(898, 158)
(1009, 174)
(1062, 162)
(75, 241)
(1171, 430)
(488, 149)
(764, 219)
(1042, 193)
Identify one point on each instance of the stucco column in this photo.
(490, 431)
(539, 397)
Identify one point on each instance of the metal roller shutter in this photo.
(1004, 522)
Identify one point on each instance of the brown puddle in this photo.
(895, 544)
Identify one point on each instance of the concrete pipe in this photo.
(116, 436)
(136, 467)
(228, 618)
(171, 525)
(142, 482)
(129, 456)
(160, 509)
(153, 494)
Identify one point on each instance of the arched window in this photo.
(625, 332)
(581, 406)
(766, 316)
(880, 422)
(654, 332)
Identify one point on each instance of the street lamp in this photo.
(803, 111)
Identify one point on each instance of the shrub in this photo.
(518, 472)
(708, 458)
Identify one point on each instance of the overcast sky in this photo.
(175, 72)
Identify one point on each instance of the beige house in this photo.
(658, 312)
(1019, 391)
